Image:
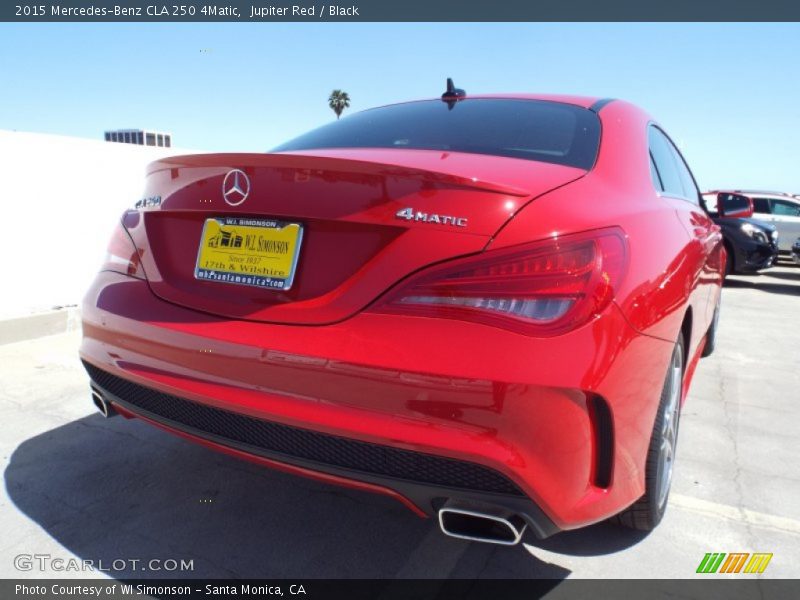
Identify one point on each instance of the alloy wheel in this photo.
(669, 430)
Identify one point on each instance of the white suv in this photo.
(782, 210)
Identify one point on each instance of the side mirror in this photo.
(734, 205)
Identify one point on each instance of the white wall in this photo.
(59, 200)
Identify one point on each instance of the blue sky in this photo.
(729, 94)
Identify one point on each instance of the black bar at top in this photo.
(400, 10)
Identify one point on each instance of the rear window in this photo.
(530, 129)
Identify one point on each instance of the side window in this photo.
(786, 209)
(655, 176)
(665, 165)
(678, 180)
(761, 205)
(690, 191)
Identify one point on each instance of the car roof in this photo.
(768, 194)
(582, 101)
(760, 193)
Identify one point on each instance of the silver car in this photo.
(782, 210)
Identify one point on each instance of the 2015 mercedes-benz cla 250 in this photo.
(489, 308)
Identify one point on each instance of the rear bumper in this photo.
(429, 393)
(422, 482)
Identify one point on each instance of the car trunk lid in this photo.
(368, 219)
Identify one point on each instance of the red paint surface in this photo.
(318, 357)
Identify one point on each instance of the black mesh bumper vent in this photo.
(277, 440)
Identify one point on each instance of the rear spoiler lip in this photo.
(310, 161)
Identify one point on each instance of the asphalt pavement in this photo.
(116, 491)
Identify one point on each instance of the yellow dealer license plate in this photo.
(247, 251)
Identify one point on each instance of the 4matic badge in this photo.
(409, 214)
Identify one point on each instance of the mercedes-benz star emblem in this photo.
(235, 187)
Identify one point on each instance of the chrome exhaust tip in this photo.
(102, 405)
(478, 525)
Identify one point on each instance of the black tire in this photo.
(646, 513)
(711, 336)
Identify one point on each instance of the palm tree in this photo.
(338, 101)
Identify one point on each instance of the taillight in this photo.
(122, 255)
(542, 288)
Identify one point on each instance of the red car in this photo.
(487, 307)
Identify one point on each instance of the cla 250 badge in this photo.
(409, 214)
(148, 202)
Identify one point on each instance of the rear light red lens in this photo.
(543, 288)
(122, 255)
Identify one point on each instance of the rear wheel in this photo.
(646, 513)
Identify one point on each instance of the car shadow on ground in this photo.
(603, 538)
(761, 283)
(788, 276)
(110, 490)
